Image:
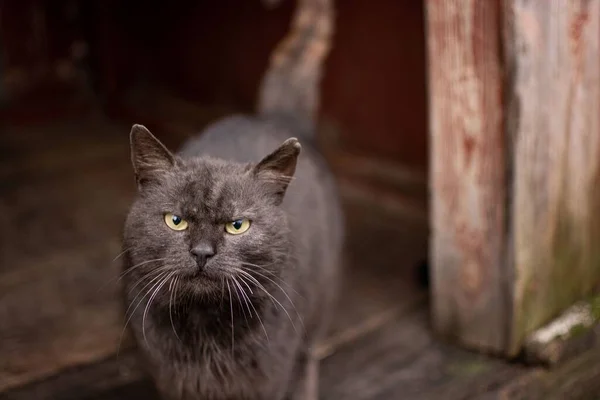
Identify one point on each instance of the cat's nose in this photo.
(202, 252)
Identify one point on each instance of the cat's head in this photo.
(200, 225)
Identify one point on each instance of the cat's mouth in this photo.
(203, 277)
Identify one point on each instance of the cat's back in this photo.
(242, 138)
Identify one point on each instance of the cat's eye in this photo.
(175, 222)
(238, 226)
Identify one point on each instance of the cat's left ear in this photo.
(150, 158)
(278, 168)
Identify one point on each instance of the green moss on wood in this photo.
(576, 330)
(595, 307)
(468, 368)
(574, 270)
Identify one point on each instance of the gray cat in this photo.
(232, 252)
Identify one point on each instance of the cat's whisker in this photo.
(254, 308)
(118, 277)
(156, 291)
(270, 273)
(149, 275)
(274, 300)
(248, 286)
(232, 330)
(122, 275)
(173, 291)
(222, 292)
(121, 253)
(248, 276)
(285, 294)
(240, 300)
(244, 296)
(155, 279)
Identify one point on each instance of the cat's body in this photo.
(232, 248)
(187, 337)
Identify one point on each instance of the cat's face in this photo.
(205, 225)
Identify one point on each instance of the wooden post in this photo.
(553, 117)
(515, 139)
(467, 172)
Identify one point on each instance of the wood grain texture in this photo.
(553, 92)
(575, 380)
(467, 172)
(403, 360)
(109, 378)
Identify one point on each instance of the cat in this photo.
(232, 248)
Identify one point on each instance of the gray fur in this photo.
(236, 168)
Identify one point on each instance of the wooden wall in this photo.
(216, 52)
(43, 49)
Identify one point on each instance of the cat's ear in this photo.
(278, 168)
(150, 158)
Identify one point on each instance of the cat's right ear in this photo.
(150, 158)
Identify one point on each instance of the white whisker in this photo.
(156, 291)
(232, 330)
(244, 296)
(157, 279)
(252, 304)
(270, 273)
(286, 295)
(173, 291)
(237, 294)
(260, 286)
(150, 274)
(122, 275)
(121, 253)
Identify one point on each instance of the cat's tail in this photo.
(290, 87)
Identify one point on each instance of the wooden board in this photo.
(398, 360)
(402, 360)
(553, 122)
(64, 195)
(467, 173)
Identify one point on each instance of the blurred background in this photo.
(75, 75)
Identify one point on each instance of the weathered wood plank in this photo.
(58, 313)
(467, 172)
(402, 360)
(63, 200)
(553, 123)
(101, 380)
(398, 360)
(575, 380)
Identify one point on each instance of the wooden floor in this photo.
(64, 191)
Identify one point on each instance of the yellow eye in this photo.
(175, 222)
(238, 226)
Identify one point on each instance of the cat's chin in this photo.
(203, 284)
